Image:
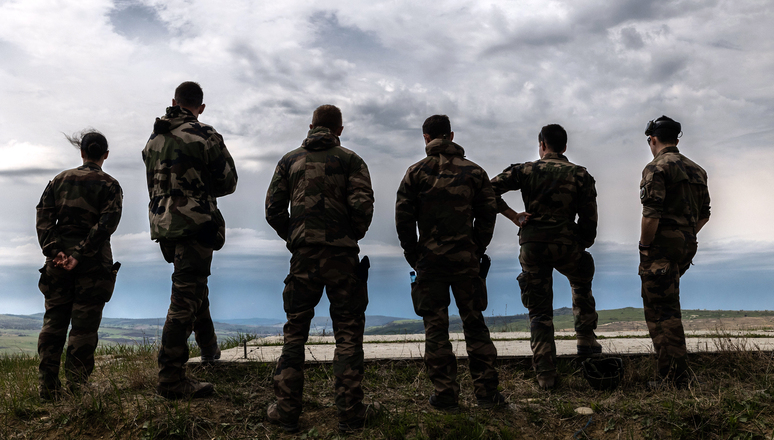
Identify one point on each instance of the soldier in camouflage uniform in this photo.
(451, 200)
(187, 167)
(78, 212)
(675, 206)
(328, 188)
(554, 191)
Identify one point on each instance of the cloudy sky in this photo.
(499, 69)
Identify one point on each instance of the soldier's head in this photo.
(437, 126)
(189, 95)
(328, 116)
(552, 138)
(92, 143)
(662, 132)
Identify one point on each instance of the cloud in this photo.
(499, 69)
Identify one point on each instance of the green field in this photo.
(563, 319)
(19, 333)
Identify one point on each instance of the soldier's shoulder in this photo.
(294, 154)
(195, 130)
(690, 163)
(582, 171)
(472, 167)
(347, 154)
(109, 179)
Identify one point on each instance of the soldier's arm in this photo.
(485, 214)
(221, 167)
(360, 198)
(109, 216)
(587, 212)
(277, 200)
(45, 223)
(406, 219)
(508, 180)
(652, 194)
(648, 228)
(701, 224)
(704, 214)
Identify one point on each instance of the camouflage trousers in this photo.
(661, 267)
(431, 302)
(189, 309)
(76, 297)
(311, 270)
(538, 261)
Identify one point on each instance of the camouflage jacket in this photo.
(674, 190)
(78, 212)
(554, 191)
(451, 201)
(187, 166)
(328, 188)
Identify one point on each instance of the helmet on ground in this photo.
(603, 374)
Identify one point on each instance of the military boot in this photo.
(445, 404)
(211, 354)
(547, 380)
(185, 389)
(496, 400)
(371, 412)
(587, 344)
(272, 413)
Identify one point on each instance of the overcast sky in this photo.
(499, 69)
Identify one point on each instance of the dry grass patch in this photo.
(733, 400)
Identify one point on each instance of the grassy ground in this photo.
(734, 400)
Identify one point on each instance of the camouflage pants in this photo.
(431, 302)
(538, 261)
(76, 297)
(311, 270)
(189, 309)
(661, 267)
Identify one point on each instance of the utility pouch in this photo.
(362, 268)
(480, 296)
(486, 263)
(220, 232)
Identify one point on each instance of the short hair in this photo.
(437, 126)
(93, 143)
(328, 116)
(554, 136)
(189, 94)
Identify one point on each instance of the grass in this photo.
(734, 400)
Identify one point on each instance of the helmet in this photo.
(603, 374)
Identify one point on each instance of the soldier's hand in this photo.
(521, 219)
(70, 263)
(60, 259)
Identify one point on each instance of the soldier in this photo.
(78, 212)
(675, 206)
(187, 167)
(328, 188)
(554, 191)
(451, 200)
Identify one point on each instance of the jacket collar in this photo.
(320, 139)
(174, 117)
(555, 156)
(671, 149)
(443, 146)
(91, 165)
